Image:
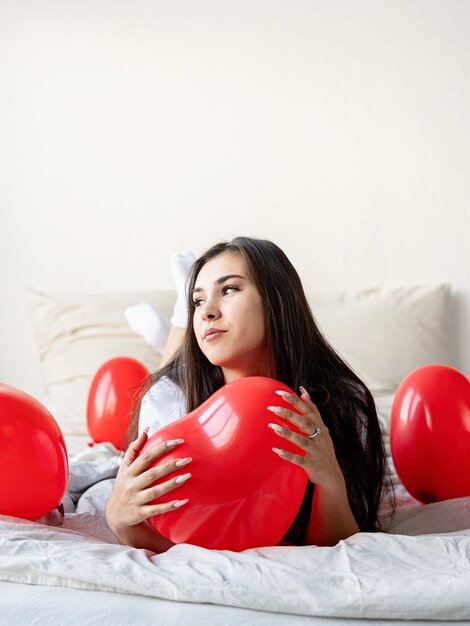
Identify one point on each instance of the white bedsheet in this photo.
(377, 576)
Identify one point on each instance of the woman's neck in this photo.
(231, 374)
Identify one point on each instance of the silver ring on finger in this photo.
(315, 434)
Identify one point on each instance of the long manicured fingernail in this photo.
(279, 451)
(174, 442)
(276, 409)
(279, 429)
(179, 503)
(183, 462)
(283, 394)
(146, 430)
(182, 478)
(303, 390)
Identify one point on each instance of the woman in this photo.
(248, 316)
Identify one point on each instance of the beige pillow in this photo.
(383, 334)
(75, 335)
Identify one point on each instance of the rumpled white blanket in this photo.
(370, 575)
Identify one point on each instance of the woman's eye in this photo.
(229, 289)
(197, 303)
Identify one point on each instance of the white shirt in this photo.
(163, 404)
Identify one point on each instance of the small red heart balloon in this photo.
(430, 433)
(241, 494)
(33, 457)
(110, 399)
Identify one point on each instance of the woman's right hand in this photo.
(129, 503)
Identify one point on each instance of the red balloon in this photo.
(110, 399)
(33, 456)
(241, 494)
(430, 433)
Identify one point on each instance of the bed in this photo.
(417, 569)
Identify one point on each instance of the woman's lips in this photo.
(213, 334)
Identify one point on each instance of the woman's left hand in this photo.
(319, 461)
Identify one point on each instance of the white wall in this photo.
(130, 129)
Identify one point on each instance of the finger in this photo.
(293, 400)
(288, 456)
(152, 454)
(303, 404)
(163, 507)
(305, 397)
(160, 471)
(286, 433)
(303, 392)
(157, 491)
(135, 447)
(304, 423)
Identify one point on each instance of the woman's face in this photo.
(229, 320)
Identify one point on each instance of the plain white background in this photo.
(131, 129)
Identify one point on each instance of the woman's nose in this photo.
(210, 311)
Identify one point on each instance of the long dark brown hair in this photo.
(299, 355)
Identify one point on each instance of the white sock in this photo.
(146, 322)
(180, 266)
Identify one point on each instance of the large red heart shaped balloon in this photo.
(33, 456)
(430, 433)
(110, 399)
(241, 494)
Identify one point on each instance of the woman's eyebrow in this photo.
(221, 280)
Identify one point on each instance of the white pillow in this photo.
(382, 334)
